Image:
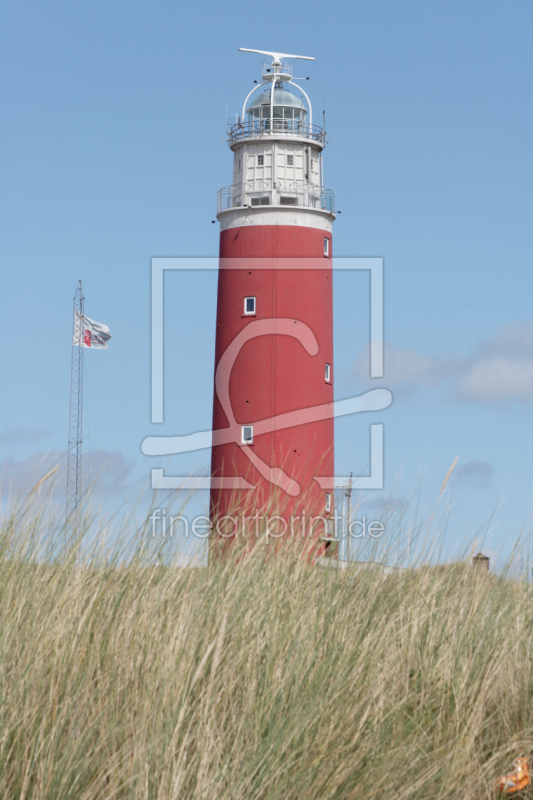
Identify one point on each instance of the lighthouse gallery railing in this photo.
(258, 128)
(303, 195)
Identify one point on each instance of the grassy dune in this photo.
(256, 679)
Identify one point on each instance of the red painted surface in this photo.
(273, 374)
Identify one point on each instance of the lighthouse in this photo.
(274, 326)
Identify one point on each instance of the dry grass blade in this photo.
(447, 478)
(256, 678)
(44, 479)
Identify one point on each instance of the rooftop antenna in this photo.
(277, 72)
(76, 410)
(275, 56)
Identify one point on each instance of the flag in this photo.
(88, 333)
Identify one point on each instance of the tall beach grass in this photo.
(124, 675)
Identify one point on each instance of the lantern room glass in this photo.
(285, 118)
(288, 115)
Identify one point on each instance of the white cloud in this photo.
(499, 370)
(497, 380)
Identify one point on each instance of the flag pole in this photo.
(76, 411)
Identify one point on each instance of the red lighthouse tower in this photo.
(274, 329)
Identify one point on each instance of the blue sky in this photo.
(112, 121)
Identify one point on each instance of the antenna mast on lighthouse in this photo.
(76, 409)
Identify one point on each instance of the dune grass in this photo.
(253, 677)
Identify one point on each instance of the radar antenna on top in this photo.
(276, 56)
(276, 73)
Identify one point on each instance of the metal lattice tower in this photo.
(76, 409)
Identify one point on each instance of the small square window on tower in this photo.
(328, 503)
(326, 246)
(249, 305)
(290, 161)
(328, 373)
(247, 434)
(260, 161)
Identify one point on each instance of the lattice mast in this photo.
(76, 409)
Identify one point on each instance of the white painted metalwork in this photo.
(280, 128)
(273, 128)
(277, 71)
(248, 97)
(276, 56)
(306, 195)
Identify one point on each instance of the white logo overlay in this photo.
(374, 400)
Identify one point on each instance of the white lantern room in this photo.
(277, 149)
